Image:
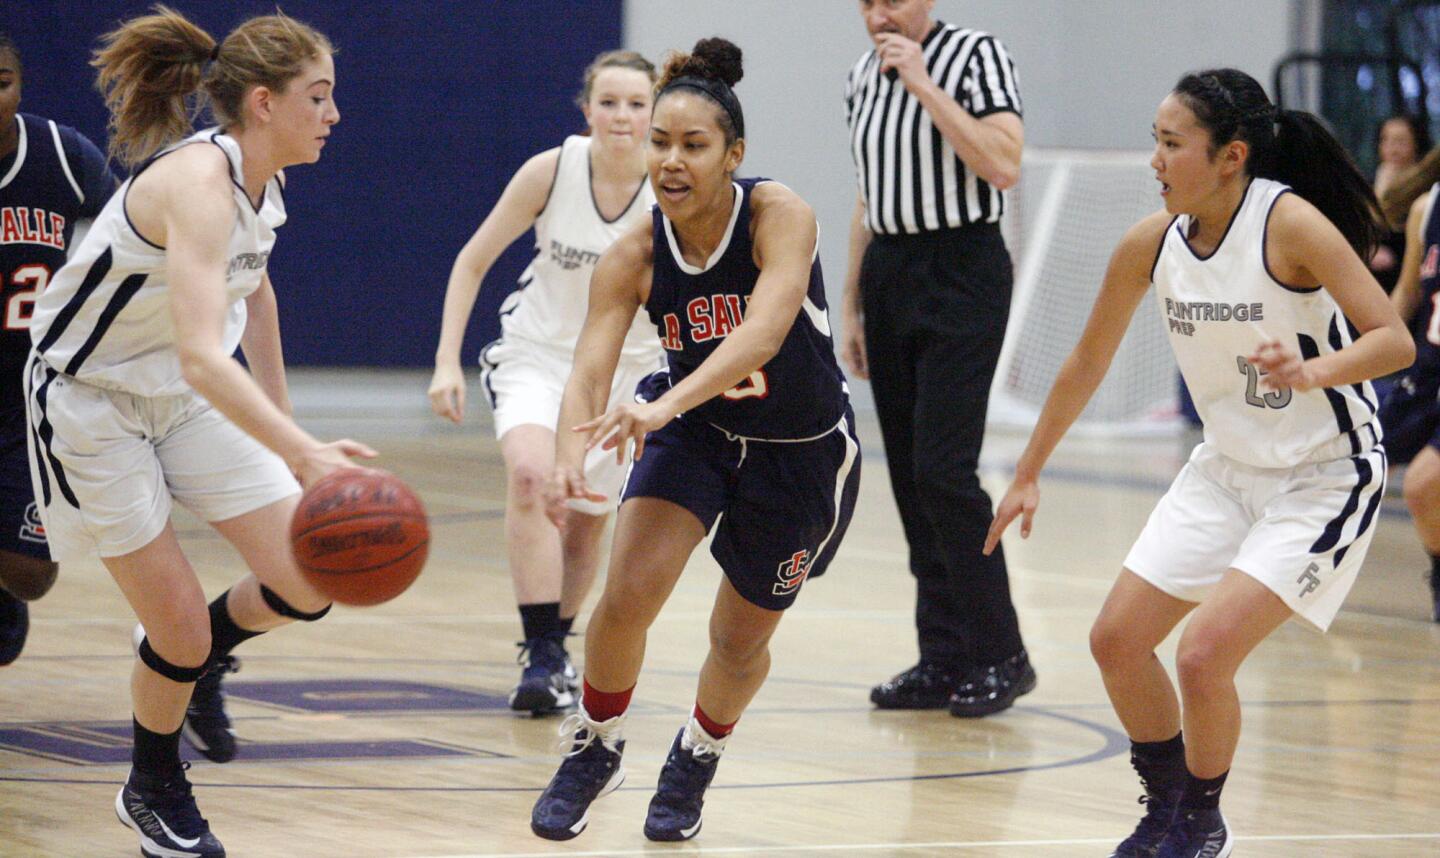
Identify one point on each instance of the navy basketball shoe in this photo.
(591, 769)
(1197, 833)
(207, 727)
(14, 627)
(675, 810)
(1435, 594)
(1145, 839)
(549, 682)
(162, 811)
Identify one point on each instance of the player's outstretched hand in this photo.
(1281, 366)
(623, 423)
(1021, 499)
(566, 484)
(321, 460)
(447, 392)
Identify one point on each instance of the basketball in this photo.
(360, 535)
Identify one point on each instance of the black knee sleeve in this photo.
(282, 607)
(170, 671)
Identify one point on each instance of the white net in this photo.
(1062, 222)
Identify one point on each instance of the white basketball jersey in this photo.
(1219, 308)
(105, 318)
(549, 307)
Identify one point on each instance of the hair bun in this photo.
(722, 57)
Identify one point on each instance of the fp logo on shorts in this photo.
(792, 573)
(1309, 579)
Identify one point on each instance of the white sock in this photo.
(695, 735)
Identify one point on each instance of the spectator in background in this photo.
(1400, 142)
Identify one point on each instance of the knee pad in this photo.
(283, 608)
(170, 671)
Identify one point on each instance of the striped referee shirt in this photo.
(910, 178)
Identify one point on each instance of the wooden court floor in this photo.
(383, 732)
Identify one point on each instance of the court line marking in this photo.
(695, 848)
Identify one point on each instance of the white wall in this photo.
(1091, 73)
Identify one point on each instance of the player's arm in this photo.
(785, 235)
(519, 206)
(617, 287)
(261, 343)
(197, 209)
(97, 181)
(852, 311)
(1306, 250)
(1126, 280)
(1406, 296)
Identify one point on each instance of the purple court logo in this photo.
(108, 743)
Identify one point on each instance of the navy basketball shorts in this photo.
(20, 529)
(1410, 416)
(782, 506)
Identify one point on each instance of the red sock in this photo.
(604, 705)
(711, 726)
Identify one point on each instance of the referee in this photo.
(935, 131)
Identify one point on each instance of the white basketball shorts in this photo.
(105, 465)
(1302, 532)
(525, 383)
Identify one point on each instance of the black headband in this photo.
(718, 90)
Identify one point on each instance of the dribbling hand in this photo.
(624, 423)
(564, 485)
(1281, 366)
(447, 392)
(1022, 499)
(320, 461)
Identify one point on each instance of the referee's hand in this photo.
(901, 54)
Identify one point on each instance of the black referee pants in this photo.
(935, 309)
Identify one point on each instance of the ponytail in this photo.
(150, 70)
(1289, 146)
(157, 72)
(1308, 158)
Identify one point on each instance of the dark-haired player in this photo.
(750, 425)
(51, 179)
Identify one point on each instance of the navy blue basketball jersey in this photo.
(1427, 354)
(54, 178)
(800, 392)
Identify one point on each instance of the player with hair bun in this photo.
(750, 424)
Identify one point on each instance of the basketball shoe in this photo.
(14, 627)
(206, 726)
(1435, 594)
(162, 811)
(675, 810)
(548, 682)
(1197, 833)
(591, 769)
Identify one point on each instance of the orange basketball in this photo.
(360, 536)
